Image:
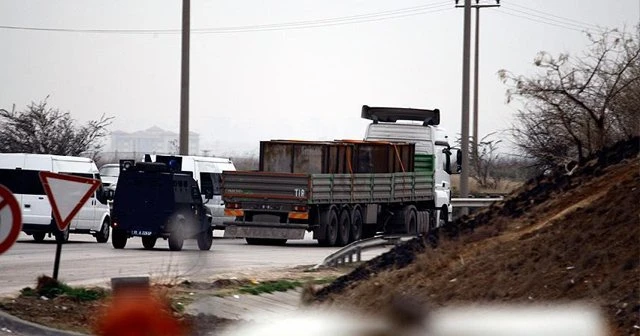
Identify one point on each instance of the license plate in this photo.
(141, 233)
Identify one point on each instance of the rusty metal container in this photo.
(380, 156)
(336, 157)
(295, 156)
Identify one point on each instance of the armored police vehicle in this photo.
(158, 200)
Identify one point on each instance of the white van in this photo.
(207, 171)
(20, 173)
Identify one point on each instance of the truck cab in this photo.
(432, 153)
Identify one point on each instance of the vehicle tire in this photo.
(254, 241)
(176, 238)
(344, 227)
(39, 236)
(103, 235)
(118, 238)
(149, 242)
(205, 239)
(62, 236)
(411, 220)
(356, 225)
(329, 223)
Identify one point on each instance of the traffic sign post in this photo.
(67, 194)
(10, 219)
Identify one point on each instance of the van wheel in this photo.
(118, 238)
(205, 239)
(39, 236)
(149, 242)
(62, 236)
(103, 235)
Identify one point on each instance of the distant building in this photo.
(153, 140)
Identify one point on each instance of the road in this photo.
(85, 262)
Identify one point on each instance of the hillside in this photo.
(558, 238)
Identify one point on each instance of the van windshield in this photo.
(112, 171)
(22, 181)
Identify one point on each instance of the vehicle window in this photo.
(110, 171)
(217, 183)
(21, 181)
(206, 183)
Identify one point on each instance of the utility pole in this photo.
(476, 64)
(466, 45)
(184, 80)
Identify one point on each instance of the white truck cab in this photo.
(20, 173)
(207, 171)
(433, 151)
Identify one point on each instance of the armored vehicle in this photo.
(158, 200)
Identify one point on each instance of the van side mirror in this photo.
(103, 195)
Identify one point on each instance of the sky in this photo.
(278, 69)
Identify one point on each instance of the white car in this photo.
(20, 173)
(109, 174)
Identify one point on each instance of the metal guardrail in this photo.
(474, 202)
(353, 251)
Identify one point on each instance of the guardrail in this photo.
(474, 202)
(353, 252)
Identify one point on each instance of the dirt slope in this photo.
(559, 238)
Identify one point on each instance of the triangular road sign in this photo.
(67, 194)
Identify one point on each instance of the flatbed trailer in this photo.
(338, 208)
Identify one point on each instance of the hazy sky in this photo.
(255, 78)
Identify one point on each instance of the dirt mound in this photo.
(560, 237)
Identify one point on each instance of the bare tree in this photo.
(483, 166)
(41, 129)
(575, 106)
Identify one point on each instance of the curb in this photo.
(26, 328)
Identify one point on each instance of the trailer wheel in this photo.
(329, 224)
(344, 227)
(410, 220)
(118, 238)
(149, 242)
(356, 225)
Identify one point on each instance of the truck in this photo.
(395, 181)
(157, 200)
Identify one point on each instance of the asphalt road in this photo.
(85, 262)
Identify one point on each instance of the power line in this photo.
(582, 23)
(551, 20)
(543, 22)
(335, 21)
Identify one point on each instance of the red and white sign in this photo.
(67, 194)
(10, 219)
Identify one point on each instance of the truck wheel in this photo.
(356, 225)
(149, 242)
(176, 238)
(205, 239)
(103, 235)
(118, 238)
(329, 223)
(62, 236)
(39, 236)
(344, 227)
(411, 220)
